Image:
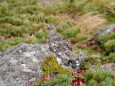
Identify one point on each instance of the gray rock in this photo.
(21, 64)
(105, 31)
(1, 82)
(109, 66)
(95, 40)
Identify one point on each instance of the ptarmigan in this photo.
(62, 47)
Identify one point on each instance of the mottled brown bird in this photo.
(58, 44)
(62, 47)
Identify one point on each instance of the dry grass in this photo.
(90, 22)
(66, 18)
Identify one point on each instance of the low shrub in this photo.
(109, 59)
(107, 42)
(60, 80)
(98, 77)
(51, 67)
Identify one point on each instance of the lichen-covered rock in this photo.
(104, 39)
(21, 64)
(109, 66)
(105, 31)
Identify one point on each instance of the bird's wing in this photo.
(62, 41)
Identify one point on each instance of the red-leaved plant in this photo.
(7, 37)
(113, 80)
(46, 78)
(113, 30)
(78, 81)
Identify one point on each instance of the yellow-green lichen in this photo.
(51, 66)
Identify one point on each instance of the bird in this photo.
(57, 43)
(62, 47)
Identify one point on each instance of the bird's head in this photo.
(50, 26)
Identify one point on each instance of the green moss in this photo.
(107, 42)
(109, 45)
(109, 59)
(105, 38)
(10, 42)
(51, 66)
(93, 59)
(60, 80)
(110, 18)
(98, 77)
(71, 33)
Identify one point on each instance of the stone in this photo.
(94, 41)
(108, 66)
(105, 31)
(21, 64)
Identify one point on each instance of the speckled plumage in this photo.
(58, 44)
(62, 48)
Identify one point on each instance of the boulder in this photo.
(108, 66)
(94, 41)
(21, 64)
(105, 31)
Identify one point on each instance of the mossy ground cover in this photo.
(22, 21)
(49, 70)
